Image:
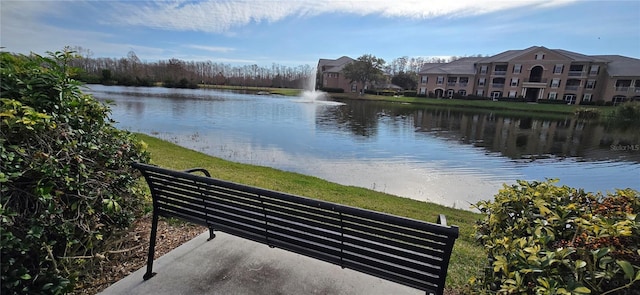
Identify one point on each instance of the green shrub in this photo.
(410, 93)
(628, 111)
(332, 90)
(587, 113)
(65, 178)
(545, 239)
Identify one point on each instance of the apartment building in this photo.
(330, 75)
(536, 73)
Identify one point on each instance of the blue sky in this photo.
(290, 32)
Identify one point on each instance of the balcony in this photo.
(575, 73)
(534, 83)
(622, 88)
(571, 87)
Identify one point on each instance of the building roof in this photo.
(463, 66)
(509, 55)
(619, 65)
(334, 65)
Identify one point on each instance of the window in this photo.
(479, 92)
(539, 56)
(514, 82)
(594, 70)
(354, 87)
(483, 69)
(512, 93)
(586, 97)
(517, 69)
(555, 83)
(423, 90)
(481, 82)
(450, 93)
(424, 79)
(570, 98)
(440, 80)
(462, 92)
(591, 84)
(553, 95)
(558, 69)
(496, 94)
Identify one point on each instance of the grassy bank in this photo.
(538, 109)
(467, 258)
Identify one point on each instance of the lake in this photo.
(448, 156)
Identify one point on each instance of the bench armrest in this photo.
(442, 220)
(204, 171)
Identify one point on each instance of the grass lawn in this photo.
(467, 258)
(514, 108)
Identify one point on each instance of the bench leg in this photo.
(211, 234)
(152, 247)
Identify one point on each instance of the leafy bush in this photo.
(545, 239)
(628, 111)
(587, 113)
(332, 90)
(410, 93)
(552, 101)
(65, 177)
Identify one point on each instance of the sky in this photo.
(299, 32)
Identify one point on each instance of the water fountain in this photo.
(309, 92)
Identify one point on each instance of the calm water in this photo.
(445, 156)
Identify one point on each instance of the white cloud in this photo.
(211, 48)
(222, 15)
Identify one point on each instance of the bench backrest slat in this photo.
(411, 252)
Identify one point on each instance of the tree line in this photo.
(131, 71)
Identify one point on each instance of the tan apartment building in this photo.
(330, 75)
(536, 73)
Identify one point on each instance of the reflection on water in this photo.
(446, 156)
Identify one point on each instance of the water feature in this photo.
(310, 93)
(446, 156)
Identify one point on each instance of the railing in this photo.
(535, 80)
(622, 88)
(575, 73)
(497, 85)
(463, 84)
(451, 83)
(499, 73)
(571, 87)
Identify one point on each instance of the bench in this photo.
(406, 251)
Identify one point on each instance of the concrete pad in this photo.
(231, 265)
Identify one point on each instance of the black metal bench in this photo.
(402, 250)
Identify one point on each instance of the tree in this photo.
(365, 69)
(405, 80)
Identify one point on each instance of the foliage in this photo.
(587, 113)
(405, 80)
(66, 181)
(546, 239)
(332, 90)
(365, 69)
(552, 101)
(627, 112)
(410, 93)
